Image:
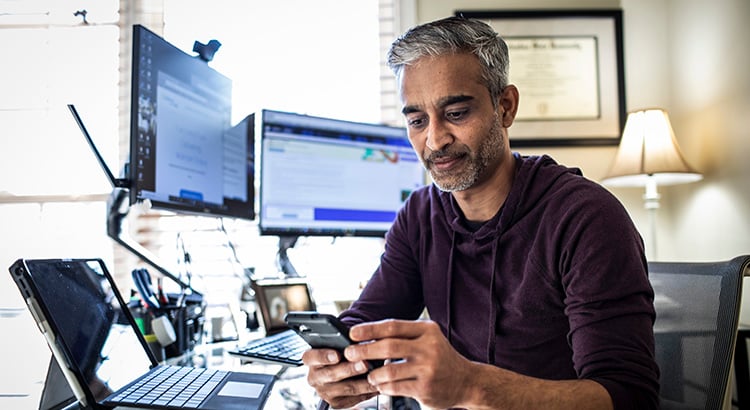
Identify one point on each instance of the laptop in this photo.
(104, 358)
(282, 345)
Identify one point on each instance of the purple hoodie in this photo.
(555, 286)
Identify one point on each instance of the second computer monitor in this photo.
(323, 176)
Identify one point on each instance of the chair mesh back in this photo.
(697, 312)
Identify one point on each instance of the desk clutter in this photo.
(175, 327)
(98, 346)
(99, 356)
(172, 324)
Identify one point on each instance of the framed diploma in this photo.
(568, 67)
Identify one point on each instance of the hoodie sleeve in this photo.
(609, 300)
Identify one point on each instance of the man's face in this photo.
(451, 122)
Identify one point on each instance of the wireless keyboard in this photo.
(282, 348)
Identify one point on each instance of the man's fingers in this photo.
(320, 357)
(342, 393)
(379, 350)
(400, 388)
(339, 382)
(407, 329)
(391, 371)
(391, 339)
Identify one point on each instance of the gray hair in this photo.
(450, 36)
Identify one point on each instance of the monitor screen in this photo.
(323, 176)
(184, 154)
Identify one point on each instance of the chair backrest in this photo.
(697, 313)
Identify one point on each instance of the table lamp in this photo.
(649, 156)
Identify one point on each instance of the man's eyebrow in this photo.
(454, 99)
(442, 103)
(408, 109)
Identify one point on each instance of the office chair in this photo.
(697, 314)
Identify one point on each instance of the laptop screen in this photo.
(88, 318)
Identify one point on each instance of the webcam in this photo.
(206, 51)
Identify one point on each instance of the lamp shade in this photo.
(648, 151)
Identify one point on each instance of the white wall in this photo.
(710, 95)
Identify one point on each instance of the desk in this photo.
(290, 391)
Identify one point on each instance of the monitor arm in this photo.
(282, 259)
(117, 210)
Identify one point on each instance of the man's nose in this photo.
(438, 136)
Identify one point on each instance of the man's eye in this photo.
(415, 122)
(455, 115)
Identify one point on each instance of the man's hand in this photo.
(428, 369)
(435, 374)
(423, 365)
(335, 381)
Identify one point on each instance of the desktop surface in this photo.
(27, 358)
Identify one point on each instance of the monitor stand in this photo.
(282, 259)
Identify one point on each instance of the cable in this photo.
(230, 244)
(186, 260)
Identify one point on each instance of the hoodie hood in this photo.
(535, 177)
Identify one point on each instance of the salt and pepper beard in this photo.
(475, 165)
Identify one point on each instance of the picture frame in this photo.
(276, 297)
(568, 67)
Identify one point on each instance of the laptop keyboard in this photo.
(282, 348)
(172, 386)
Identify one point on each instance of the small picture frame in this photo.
(275, 298)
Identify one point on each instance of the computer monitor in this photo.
(330, 177)
(184, 154)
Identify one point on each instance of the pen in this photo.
(162, 297)
(181, 299)
(142, 281)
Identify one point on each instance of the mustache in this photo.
(430, 156)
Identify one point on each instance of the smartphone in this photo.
(321, 330)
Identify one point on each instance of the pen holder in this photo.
(188, 319)
(143, 321)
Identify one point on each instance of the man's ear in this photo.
(509, 102)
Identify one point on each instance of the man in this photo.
(534, 278)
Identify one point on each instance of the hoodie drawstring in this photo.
(450, 286)
(493, 308)
(492, 302)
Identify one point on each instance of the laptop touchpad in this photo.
(242, 389)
